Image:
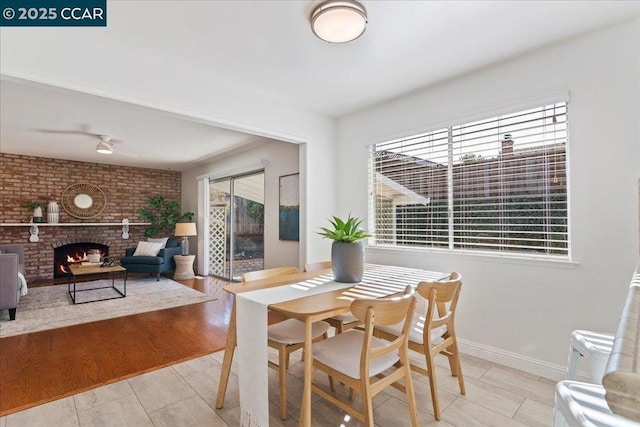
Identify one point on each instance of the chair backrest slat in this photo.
(379, 312)
(386, 310)
(440, 294)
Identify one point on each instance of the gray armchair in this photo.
(11, 262)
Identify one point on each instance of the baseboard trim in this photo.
(517, 361)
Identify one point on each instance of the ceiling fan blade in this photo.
(126, 153)
(66, 132)
(83, 131)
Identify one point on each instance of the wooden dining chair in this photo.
(286, 336)
(433, 330)
(341, 322)
(358, 359)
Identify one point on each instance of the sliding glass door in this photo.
(236, 225)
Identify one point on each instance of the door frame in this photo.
(204, 204)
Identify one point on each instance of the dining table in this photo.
(308, 297)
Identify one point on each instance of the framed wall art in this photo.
(289, 207)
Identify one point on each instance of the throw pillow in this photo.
(162, 240)
(147, 249)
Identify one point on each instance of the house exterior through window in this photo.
(497, 185)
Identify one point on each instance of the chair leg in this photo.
(12, 313)
(411, 397)
(367, 404)
(452, 363)
(282, 371)
(432, 384)
(458, 367)
(158, 277)
(228, 359)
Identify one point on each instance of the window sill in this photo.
(492, 257)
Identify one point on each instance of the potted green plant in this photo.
(163, 215)
(36, 206)
(347, 250)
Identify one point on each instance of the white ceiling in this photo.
(35, 121)
(259, 49)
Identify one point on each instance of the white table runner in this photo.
(251, 322)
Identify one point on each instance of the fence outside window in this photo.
(498, 185)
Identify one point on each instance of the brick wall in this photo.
(241, 266)
(24, 179)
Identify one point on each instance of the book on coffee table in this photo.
(90, 264)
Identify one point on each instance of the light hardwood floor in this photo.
(183, 393)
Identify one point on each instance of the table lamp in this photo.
(185, 229)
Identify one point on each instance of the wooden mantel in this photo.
(34, 226)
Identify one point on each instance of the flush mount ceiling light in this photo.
(104, 146)
(339, 21)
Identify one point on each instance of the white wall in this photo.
(516, 311)
(279, 158)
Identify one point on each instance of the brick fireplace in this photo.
(26, 179)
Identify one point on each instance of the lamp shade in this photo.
(339, 21)
(186, 229)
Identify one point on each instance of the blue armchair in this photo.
(161, 263)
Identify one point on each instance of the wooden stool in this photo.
(596, 347)
(184, 267)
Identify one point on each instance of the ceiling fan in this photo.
(104, 146)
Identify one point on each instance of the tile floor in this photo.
(184, 394)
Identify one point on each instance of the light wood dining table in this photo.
(378, 281)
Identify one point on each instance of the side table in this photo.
(184, 267)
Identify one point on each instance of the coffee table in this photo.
(79, 271)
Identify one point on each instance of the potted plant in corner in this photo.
(347, 250)
(163, 215)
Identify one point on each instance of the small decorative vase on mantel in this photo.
(53, 212)
(347, 251)
(37, 214)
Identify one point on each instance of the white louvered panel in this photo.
(217, 240)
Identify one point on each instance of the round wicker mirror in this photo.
(83, 200)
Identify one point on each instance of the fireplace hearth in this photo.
(73, 253)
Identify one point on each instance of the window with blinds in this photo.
(498, 184)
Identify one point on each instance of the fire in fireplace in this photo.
(73, 253)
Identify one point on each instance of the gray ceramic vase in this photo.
(347, 261)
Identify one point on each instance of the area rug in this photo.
(50, 307)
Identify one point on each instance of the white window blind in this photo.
(498, 184)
